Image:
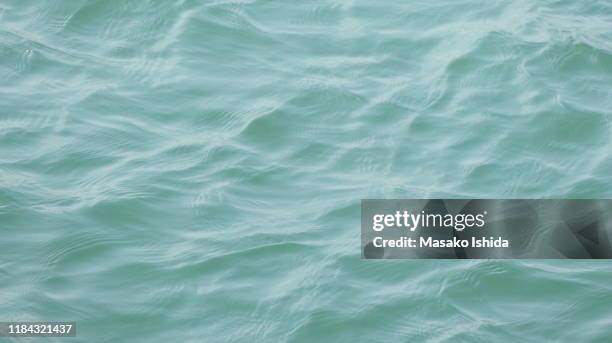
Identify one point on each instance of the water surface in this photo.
(191, 170)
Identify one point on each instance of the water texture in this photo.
(190, 171)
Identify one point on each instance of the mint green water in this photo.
(190, 171)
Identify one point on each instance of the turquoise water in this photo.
(191, 171)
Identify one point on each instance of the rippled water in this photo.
(191, 171)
